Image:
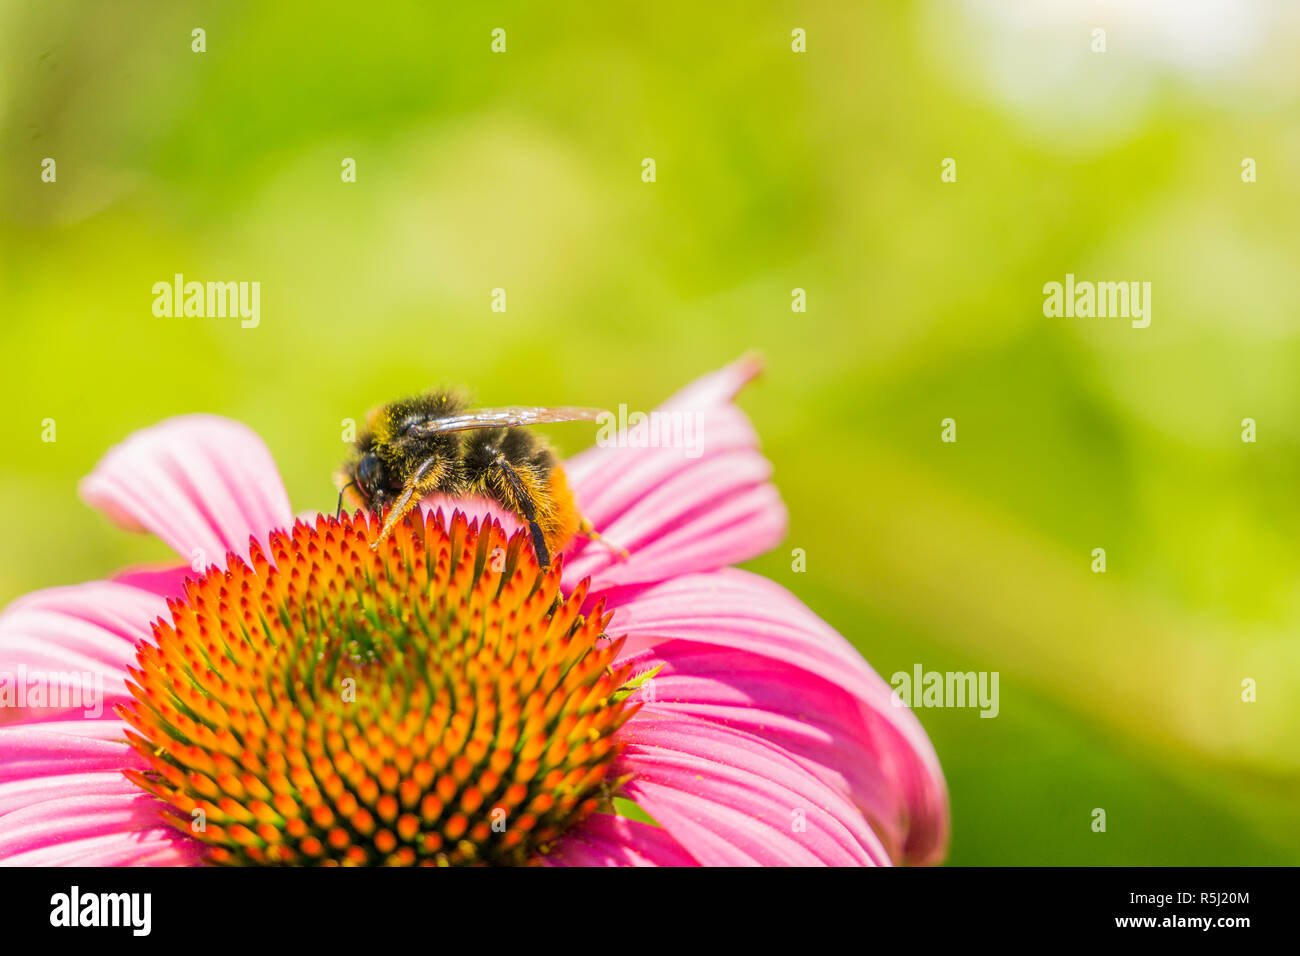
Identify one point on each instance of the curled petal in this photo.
(814, 722)
(732, 799)
(678, 509)
(894, 776)
(717, 388)
(202, 483)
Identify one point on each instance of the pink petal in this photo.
(607, 840)
(720, 387)
(167, 580)
(732, 799)
(99, 830)
(29, 791)
(203, 484)
(894, 776)
(64, 801)
(673, 512)
(76, 640)
(814, 722)
(54, 748)
(159, 846)
(76, 818)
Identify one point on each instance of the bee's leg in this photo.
(587, 531)
(521, 503)
(420, 484)
(539, 544)
(405, 503)
(527, 510)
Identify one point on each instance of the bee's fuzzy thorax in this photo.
(387, 421)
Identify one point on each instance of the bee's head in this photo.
(371, 478)
(365, 479)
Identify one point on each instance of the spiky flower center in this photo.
(437, 702)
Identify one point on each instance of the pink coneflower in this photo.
(444, 699)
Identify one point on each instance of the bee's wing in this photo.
(504, 417)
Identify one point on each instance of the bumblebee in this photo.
(435, 444)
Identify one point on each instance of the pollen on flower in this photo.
(438, 702)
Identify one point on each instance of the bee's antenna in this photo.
(339, 509)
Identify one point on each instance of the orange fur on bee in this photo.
(563, 520)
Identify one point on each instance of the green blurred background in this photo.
(775, 170)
